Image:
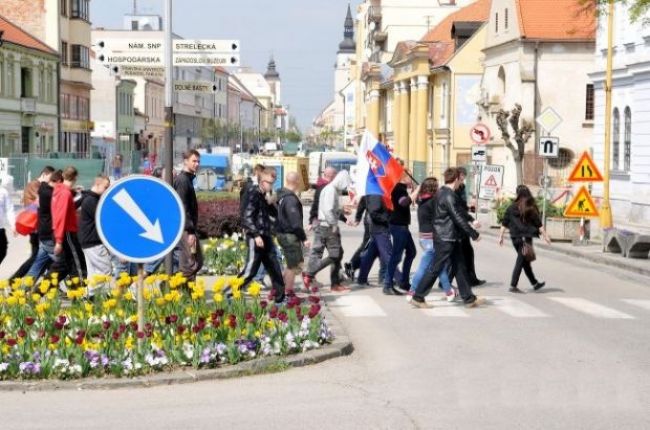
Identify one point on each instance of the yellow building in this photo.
(426, 109)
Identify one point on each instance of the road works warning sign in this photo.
(490, 181)
(582, 205)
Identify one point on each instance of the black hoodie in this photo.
(88, 236)
(290, 214)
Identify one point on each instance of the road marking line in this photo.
(591, 308)
(445, 309)
(515, 308)
(358, 306)
(645, 304)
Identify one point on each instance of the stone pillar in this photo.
(372, 121)
(413, 124)
(422, 109)
(397, 101)
(404, 121)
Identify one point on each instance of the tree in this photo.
(523, 130)
(638, 9)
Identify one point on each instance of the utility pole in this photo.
(169, 109)
(606, 220)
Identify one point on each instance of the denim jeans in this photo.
(44, 257)
(427, 259)
(380, 246)
(402, 243)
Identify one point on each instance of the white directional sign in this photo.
(195, 86)
(206, 60)
(207, 46)
(156, 72)
(132, 59)
(549, 147)
(130, 45)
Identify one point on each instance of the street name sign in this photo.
(132, 59)
(206, 46)
(130, 45)
(582, 205)
(157, 72)
(208, 60)
(549, 119)
(549, 147)
(140, 219)
(195, 86)
(180, 45)
(585, 170)
(490, 181)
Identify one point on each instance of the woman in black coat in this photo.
(523, 220)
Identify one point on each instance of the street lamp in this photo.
(606, 220)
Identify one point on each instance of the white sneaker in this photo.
(451, 295)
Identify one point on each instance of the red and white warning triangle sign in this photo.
(582, 205)
(491, 182)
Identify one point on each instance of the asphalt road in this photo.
(575, 355)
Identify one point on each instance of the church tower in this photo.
(273, 78)
(344, 58)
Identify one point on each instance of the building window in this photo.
(64, 7)
(2, 74)
(11, 78)
(41, 84)
(80, 57)
(505, 19)
(65, 106)
(627, 140)
(589, 103)
(64, 53)
(496, 22)
(50, 86)
(616, 142)
(80, 9)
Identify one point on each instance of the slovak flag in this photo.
(377, 170)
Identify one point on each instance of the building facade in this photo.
(64, 25)
(630, 147)
(28, 96)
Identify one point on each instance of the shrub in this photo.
(552, 211)
(218, 218)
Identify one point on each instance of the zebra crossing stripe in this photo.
(515, 308)
(645, 304)
(591, 308)
(358, 306)
(445, 309)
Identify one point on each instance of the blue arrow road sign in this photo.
(140, 219)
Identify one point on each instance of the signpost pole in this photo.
(169, 109)
(545, 192)
(140, 287)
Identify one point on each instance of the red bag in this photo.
(27, 220)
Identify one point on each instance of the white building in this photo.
(630, 146)
(539, 57)
(28, 93)
(342, 74)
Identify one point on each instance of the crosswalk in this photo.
(366, 306)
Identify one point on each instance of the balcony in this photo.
(28, 105)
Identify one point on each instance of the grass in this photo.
(206, 196)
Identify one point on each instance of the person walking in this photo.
(30, 197)
(398, 226)
(466, 243)
(7, 220)
(290, 229)
(523, 220)
(426, 214)
(328, 234)
(191, 257)
(99, 260)
(449, 225)
(258, 228)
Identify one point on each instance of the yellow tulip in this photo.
(36, 298)
(218, 298)
(160, 301)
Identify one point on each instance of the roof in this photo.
(556, 20)
(17, 36)
(441, 43)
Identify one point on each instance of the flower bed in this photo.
(44, 336)
(224, 255)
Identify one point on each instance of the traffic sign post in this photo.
(195, 86)
(582, 204)
(549, 147)
(140, 219)
(480, 134)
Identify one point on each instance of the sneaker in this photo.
(306, 280)
(476, 303)
(478, 282)
(340, 289)
(390, 291)
(421, 304)
(451, 295)
(539, 285)
(349, 271)
(515, 290)
(359, 285)
(409, 296)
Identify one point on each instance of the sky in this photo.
(302, 35)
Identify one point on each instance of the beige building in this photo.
(65, 27)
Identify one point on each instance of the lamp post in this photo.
(606, 220)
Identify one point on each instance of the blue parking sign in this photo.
(140, 219)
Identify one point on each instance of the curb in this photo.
(594, 258)
(341, 346)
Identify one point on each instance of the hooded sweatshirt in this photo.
(313, 212)
(64, 213)
(329, 211)
(290, 214)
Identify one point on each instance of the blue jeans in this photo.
(427, 259)
(379, 246)
(402, 242)
(44, 257)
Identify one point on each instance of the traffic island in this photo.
(50, 341)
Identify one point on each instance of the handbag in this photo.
(528, 251)
(27, 220)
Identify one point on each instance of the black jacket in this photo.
(45, 212)
(243, 195)
(183, 184)
(520, 227)
(257, 214)
(379, 215)
(426, 215)
(362, 209)
(88, 236)
(401, 214)
(290, 214)
(451, 222)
